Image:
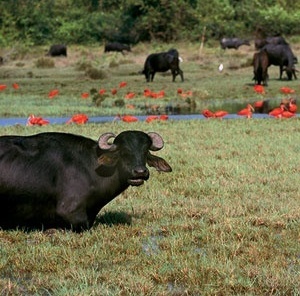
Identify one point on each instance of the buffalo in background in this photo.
(162, 62)
(260, 67)
(233, 43)
(259, 43)
(61, 180)
(281, 55)
(116, 46)
(57, 50)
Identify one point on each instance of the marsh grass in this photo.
(225, 222)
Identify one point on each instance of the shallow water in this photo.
(102, 119)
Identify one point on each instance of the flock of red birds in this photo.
(286, 109)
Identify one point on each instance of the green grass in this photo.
(225, 222)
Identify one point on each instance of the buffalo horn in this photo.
(103, 141)
(157, 141)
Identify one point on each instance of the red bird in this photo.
(287, 90)
(114, 91)
(3, 86)
(277, 112)
(258, 104)
(127, 118)
(247, 112)
(287, 114)
(15, 85)
(78, 119)
(53, 93)
(259, 89)
(208, 114)
(122, 84)
(130, 95)
(220, 113)
(151, 118)
(32, 120)
(85, 95)
(292, 107)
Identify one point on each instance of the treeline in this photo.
(38, 22)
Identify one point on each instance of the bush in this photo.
(44, 63)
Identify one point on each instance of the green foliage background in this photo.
(38, 22)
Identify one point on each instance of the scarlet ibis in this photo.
(2, 87)
(287, 90)
(277, 112)
(85, 95)
(53, 93)
(207, 113)
(130, 95)
(292, 107)
(247, 112)
(33, 120)
(287, 114)
(151, 118)
(259, 89)
(122, 84)
(127, 118)
(147, 92)
(102, 91)
(78, 119)
(15, 85)
(261, 106)
(258, 104)
(220, 113)
(114, 91)
(163, 117)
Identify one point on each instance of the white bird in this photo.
(180, 59)
(221, 67)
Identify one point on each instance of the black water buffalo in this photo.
(116, 46)
(233, 43)
(162, 62)
(260, 67)
(260, 43)
(57, 50)
(281, 55)
(60, 180)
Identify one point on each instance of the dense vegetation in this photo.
(90, 21)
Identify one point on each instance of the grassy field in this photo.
(90, 70)
(226, 221)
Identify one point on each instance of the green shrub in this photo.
(44, 63)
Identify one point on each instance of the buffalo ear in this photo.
(108, 159)
(159, 163)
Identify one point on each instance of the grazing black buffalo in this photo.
(260, 43)
(233, 43)
(116, 46)
(281, 55)
(57, 50)
(260, 67)
(60, 180)
(162, 62)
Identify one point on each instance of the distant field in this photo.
(90, 70)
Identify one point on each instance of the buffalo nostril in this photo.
(140, 171)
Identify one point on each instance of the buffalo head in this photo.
(129, 153)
